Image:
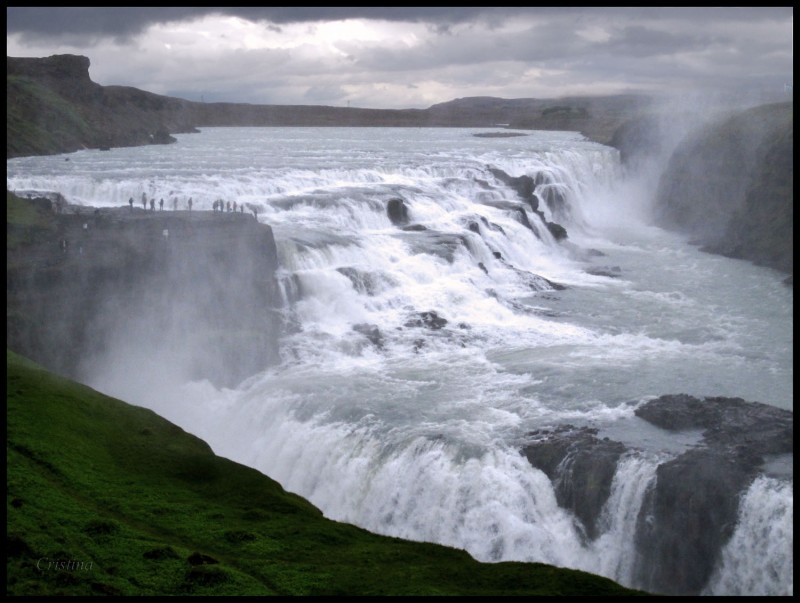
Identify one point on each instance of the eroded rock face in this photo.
(123, 289)
(529, 189)
(730, 186)
(581, 467)
(397, 211)
(691, 513)
(690, 510)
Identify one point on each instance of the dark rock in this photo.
(691, 513)
(397, 211)
(415, 228)
(523, 185)
(430, 320)
(687, 519)
(581, 467)
(559, 232)
(371, 332)
(690, 510)
(728, 422)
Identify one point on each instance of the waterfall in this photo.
(420, 353)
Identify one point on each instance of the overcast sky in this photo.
(413, 57)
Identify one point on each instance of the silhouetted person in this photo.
(234, 207)
(161, 205)
(144, 201)
(229, 206)
(130, 202)
(190, 204)
(152, 204)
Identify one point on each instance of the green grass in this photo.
(41, 121)
(25, 222)
(140, 504)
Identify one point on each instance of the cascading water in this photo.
(421, 353)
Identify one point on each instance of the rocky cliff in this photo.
(181, 293)
(690, 510)
(730, 186)
(54, 107)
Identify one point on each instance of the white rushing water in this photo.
(420, 437)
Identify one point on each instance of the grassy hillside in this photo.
(40, 121)
(108, 498)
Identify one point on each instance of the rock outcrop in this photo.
(189, 293)
(730, 186)
(528, 189)
(581, 467)
(690, 510)
(53, 106)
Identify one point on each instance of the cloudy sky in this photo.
(413, 57)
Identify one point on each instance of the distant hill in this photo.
(53, 106)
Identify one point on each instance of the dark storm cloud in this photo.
(413, 56)
(126, 21)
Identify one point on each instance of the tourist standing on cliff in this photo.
(144, 201)
(130, 202)
(161, 204)
(190, 204)
(153, 204)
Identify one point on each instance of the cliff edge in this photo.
(729, 186)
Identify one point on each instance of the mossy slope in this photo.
(147, 509)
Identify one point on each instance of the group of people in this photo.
(218, 205)
(160, 203)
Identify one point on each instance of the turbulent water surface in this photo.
(384, 415)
